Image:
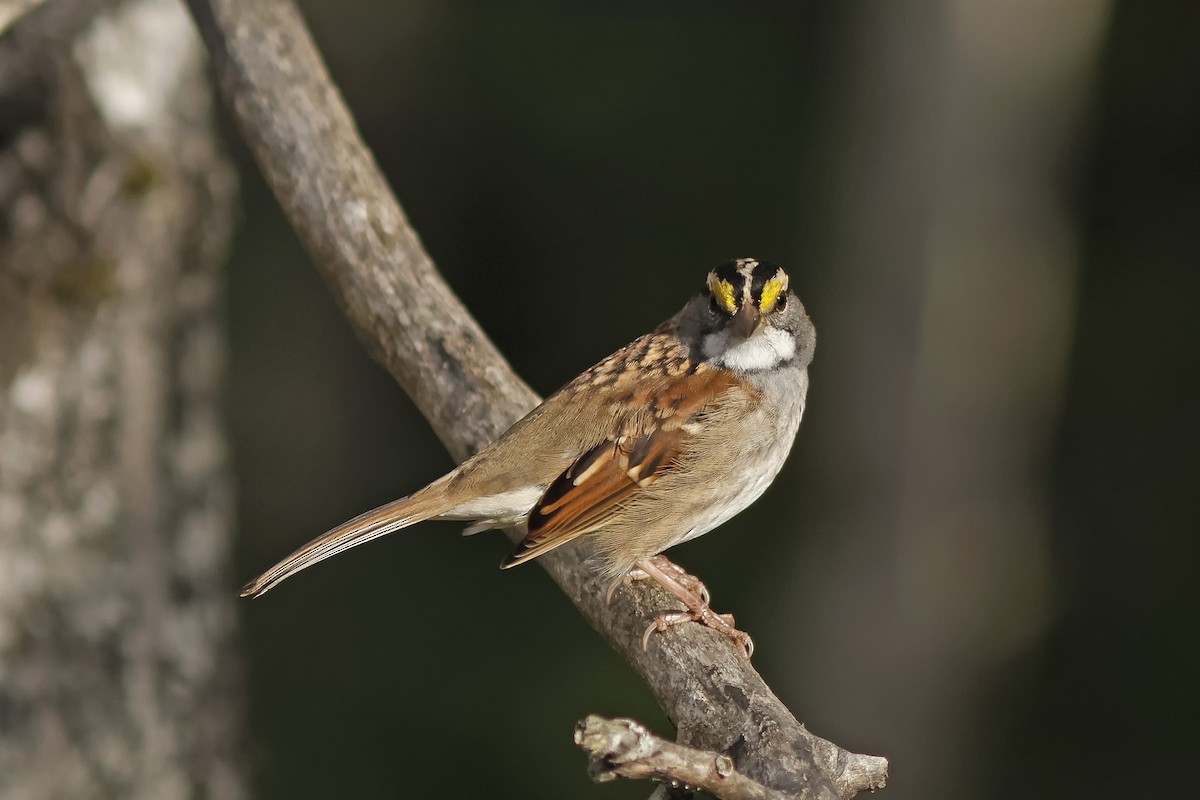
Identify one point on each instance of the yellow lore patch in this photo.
(723, 291)
(771, 291)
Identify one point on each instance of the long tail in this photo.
(363, 528)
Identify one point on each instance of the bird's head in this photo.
(751, 319)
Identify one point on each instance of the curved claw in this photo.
(662, 622)
(634, 574)
(612, 589)
(744, 643)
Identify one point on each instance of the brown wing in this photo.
(573, 420)
(651, 438)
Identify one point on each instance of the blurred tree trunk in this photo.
(954, 245)
(118, 672)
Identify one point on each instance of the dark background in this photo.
(980, 560)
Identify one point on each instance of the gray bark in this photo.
(118, 670)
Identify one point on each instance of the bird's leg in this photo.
(696, 603)
(685, 579)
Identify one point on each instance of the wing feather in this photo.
(651, 438)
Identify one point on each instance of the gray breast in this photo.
(776, 420)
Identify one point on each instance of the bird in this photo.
(660, 442)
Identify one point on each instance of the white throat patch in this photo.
(768, 349)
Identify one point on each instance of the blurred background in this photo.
(980, 559)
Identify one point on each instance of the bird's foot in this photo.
(685, 579)
(721, 623)
(694, 596)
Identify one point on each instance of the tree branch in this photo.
(625, 748)
(305, 141)
(11, 11)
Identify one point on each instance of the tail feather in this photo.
(363, 528)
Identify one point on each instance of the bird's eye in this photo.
(713, 304)
(781, 303)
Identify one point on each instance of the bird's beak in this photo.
(748, 321)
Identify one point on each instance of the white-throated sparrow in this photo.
(662, 441)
